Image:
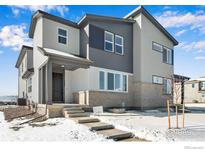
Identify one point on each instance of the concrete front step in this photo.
(72, 108)
(82, 120)
(74, 111)
(115, 134)
(73, 115)
(95, 126)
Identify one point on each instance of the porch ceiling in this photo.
(66, 60)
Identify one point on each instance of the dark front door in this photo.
(57, 87)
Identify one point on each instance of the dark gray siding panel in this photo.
(110, 60)
(96, 37)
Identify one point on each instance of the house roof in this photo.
(40, 13)
(88, 17)
(181, 77)
(22, 53)
(142, 10)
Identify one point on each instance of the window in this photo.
(102, 80)
(119, 44)
(124, 82)
(157, 80)
(156, 46)
(167, 87)
(202, 85)
(193, 85)
(109, 41)
(113, 81)
(62, 36)
(167, 56)
(117, 82)
(29, 82)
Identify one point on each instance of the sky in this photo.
(185, 23)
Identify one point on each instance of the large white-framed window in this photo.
(167, 86)
(157, 79)
(157, 46)
(113, 81)
(109, 42)
(119, 44)
(102, 80)
(167, 56)
(62, 36)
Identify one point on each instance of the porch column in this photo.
(49, 79)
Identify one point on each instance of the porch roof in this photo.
(70, 61)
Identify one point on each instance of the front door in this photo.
(57, 87)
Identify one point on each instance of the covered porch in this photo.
(55, 85)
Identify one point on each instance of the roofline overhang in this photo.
(142, 10)
(71, 59)
(46, 15)
(88, 17)
(22, 53)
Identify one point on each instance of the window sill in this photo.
(112, 91)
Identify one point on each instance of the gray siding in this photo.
(106, 59)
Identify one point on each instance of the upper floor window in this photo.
(119, 44)
(157, 79)
(167, 55)
(109, 41)
(202, 85)
(157, 47)
(62, 36)
(22, 67)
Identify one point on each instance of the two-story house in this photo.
(100, 60)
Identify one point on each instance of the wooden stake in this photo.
(176, 116)
(183, 116)
(168, 111)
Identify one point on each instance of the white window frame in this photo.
(62, 35)
(157, 82)
(106, 32)
(121, 45)
(157, 44)
(29, 84)
(169, 55)
(167, 92)
(106, 81)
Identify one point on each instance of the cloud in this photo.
(179, 33)
(198, 46)
(1, 52)
(15, 11)
(199, 58)
(177, 19)
(61, 9)
(14, 36)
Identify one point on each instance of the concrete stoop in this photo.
(77, 114)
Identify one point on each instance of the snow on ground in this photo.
(152, 125)
(56, 129)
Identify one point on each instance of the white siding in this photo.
(50, 37)
(148, 62)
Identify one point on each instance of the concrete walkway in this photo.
(77, 114)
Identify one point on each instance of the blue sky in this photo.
(185, 23)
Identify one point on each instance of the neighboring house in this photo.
(100, 60)
(193, 91)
